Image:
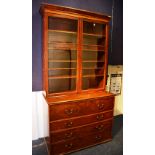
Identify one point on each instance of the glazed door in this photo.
(62, 54)
(93, 55)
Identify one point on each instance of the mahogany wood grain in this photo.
(77, 132)
(81, 142)
(84, 95)
(79, 108)
(62, 31)
(84, 147)
(81, 120)
(79, 56)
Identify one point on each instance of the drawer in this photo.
(81, 142)
(78, 108)
(78, 132)
(79, 121)
(61, 148)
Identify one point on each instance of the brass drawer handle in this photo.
(68, 135)
(69, 145)
(100, 106)
(69, 111)
(100, 127)
(98, 137)
(99, 117)
(69, 124)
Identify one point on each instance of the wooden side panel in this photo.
(45, 52)
(106, 56)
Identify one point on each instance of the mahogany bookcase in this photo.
(75, 54)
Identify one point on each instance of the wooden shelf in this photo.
(94, 35)
(92, 68)
(73, 46)
(61, 77)
(92, 75)
(62, 31)
(96, 50)
(75, 49)
(91, 61)
(61, 60)
(61, 48)
(88, 47)
(60, 68)
(93, 45)
(66, 46)
(71, 32)
(61, 42)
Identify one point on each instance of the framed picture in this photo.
(116, 83)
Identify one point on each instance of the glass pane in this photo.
(92, 71)
(91, 82)
(62, 54)
(61, 65)
(60, 85)
(65, 71)
(93, 40)
(89, 55)
(93, 33)
(93, 64)
(61, 37)
(93, 28)
(55, 23)
(93, 55)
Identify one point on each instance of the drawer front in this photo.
(78, 108)
(79, 121)
(81, 142)
(82, 131)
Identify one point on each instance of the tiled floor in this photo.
(114, 147)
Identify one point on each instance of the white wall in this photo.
(40, 108)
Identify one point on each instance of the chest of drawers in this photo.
(79, 123)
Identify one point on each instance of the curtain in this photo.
(39, 116)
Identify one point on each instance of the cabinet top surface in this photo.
(50, 7)
(75, 97)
